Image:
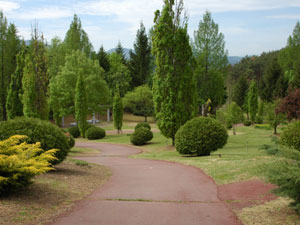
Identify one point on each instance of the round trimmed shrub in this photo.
(247, 123)
(49, 135)
(200, 136)
(94, 133)
(71, 141)
(290, 137)
(259, 120)
(74, 131)
(142, 124)
(141, 136)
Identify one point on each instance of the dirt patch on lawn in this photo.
(246, 193)
(52, 193)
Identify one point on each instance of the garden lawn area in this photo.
(239, 160)
(52, 193)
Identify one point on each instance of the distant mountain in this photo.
(126, 51)
(234, 59)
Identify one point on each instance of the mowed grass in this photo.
(239, 160)
(53, 193)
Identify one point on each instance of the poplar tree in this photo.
(14, 97)
(140, 58)
(81, 105)
(118, 112)
(35, 79)
(173, 82)
(103, 59)
(253, 101)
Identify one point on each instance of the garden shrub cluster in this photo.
(36, 130)
(247, 123)
(141, 136)
(200, 136)
(19, 162)
(74, 131)
(94, 133)
(142, 124)
(290, 137)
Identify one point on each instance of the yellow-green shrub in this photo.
(20, 161)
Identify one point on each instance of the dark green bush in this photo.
(71, 141)
(290, 137)
(143, 124)
(94, 133)
(259, 120)
(247, 123)
(200, 136)
(74, 131)
(141, 136)
(50, 136)
(228, 125)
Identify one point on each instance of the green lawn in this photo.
(239, 160)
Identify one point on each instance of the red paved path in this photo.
(148, 192)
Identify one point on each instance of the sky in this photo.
(250, 27)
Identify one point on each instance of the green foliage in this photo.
(234, 115)
(174, 90)
(247, 123)
(71, 141)
(240, 91)
(273, 117)
(139, 102)
(118, 76)
(74, 131)
(49, 135)
(35, 79)
(221, 116)
(94, 133)
(290, 137)
(253, 101)
(141, 136)
(118, 112)
(103, 59)
(211, 57)
(19, 162)
(140, 58)
(62, 91)
(142, 124)
(285, 174)
(81, 105)
(200, 136)
(77, 39)
(56, 55)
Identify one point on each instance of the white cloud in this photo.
(285, 16)
(7, 6)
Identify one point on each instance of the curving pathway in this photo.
(148, 192)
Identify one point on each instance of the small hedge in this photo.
(19, 162)
(94, 133)
(49, 135)
(141, 136)
(200, 136)
(74, 131)
(71, 141)
(247, 123)
(142, 124)
(290, 137)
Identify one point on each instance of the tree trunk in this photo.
(173, 141)
(275, 129)
(233, 129)
(145, 118)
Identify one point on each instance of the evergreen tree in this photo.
(120, 51)
(3, 75)
(103, 59)
(240, 91)
(81, 105)
(77, 39)
(14, 102)
(140, 58)
(56, 55)
(253, 101)
(118, 112)
(211, 58)
(35, 79)
(173, 83)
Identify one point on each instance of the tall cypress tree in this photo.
(240, 91)
(118, 112)
(14, 102)
(173, 82)
(120, 51)
(253, 101)
(3, 75)
(35, 79)
(81, 105)
(103, 59)
(140, 58)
